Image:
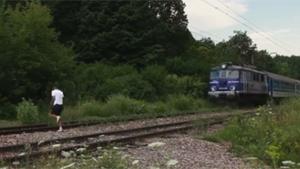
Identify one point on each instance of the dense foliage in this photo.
(134, 32)
(96, 49)
(272, 135)
(31, 57)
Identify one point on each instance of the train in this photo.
(244, 81)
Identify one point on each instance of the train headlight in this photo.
(232, 88)
(213, 88)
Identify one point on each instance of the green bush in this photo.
(156, 76)
(273, 135)
(185, 103)
(102, 81)
(91, 108)
(186, 85)
(119, 105)
(27, 112)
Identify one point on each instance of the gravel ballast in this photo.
(185, 152)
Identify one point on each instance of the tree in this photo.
(31, 57)
(134, 32)
(243, 46)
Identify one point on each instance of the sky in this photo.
(273, 25)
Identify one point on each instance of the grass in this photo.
(273, 135)
(9, 123)
(106, 159)
(122, 108)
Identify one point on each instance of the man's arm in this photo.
(51, 103)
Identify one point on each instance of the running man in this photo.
(57, 106)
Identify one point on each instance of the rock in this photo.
(66, 154)
(172, 163)
(116, 148)
(251, 158)
(68, 166)
(125, 156)
(56, 145)
(153, 167)
(16, 163)
(156, 144)
(22, 154)
(94, 159)
(99, 148)
(284, 167)
(81, 150)
(288, 162)
(135, 162)
(4, 168)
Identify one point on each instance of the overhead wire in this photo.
(246, 25)
(212, 35)
(251, 23)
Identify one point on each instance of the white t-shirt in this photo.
(58, 96)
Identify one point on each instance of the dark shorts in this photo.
(57, 109)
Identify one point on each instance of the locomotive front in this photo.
(224, 81)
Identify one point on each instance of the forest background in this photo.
(138, 52)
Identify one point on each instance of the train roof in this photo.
(281, 77)
(253, 69)
(239, 67)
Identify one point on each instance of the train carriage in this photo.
(231, 81)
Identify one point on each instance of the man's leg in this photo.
(58, 118)
(59, 122)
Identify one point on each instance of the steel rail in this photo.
(70, 124)
(36, 145)
(160, 129)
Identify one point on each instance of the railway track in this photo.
(92, 141)
(47, 127)
(43, 127)
(34, 149)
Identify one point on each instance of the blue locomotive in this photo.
(230, 80)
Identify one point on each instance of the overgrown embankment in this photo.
(273, 135)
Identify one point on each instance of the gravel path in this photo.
(42, 136)
(184, 151)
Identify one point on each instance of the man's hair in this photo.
(55, 85)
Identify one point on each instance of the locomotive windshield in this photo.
(222, 74)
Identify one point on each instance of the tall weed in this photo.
(272, 135)
(119, 105)
(27, 112)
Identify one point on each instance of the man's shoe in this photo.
(60, 129)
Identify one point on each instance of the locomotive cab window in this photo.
(222, 74)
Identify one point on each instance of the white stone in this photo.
(56, 145)
(251, 158)
(125, 156)
(288, 162)
(16, 163)
(22, 154)
(94, 159)
(156, 144)
(68, 166)
(4, 168)
(172, 163)
(116, 148)
(284, 167)
(153, 167)
(99, 148)
(135, 162)
(81, 150)
(66, 154)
